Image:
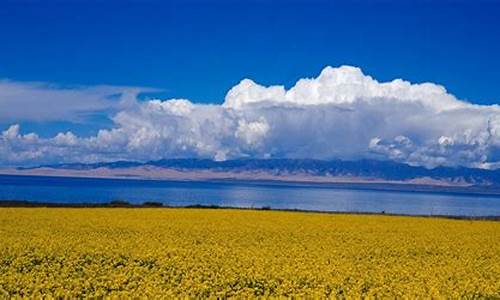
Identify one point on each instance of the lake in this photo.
(244, 194)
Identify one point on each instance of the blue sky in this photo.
(198, 50)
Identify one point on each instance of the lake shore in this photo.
(159, 205)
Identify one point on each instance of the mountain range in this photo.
(295, 170)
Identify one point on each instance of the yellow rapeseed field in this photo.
(91, 252)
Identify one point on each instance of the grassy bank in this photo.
(220, 252)
(155, 204)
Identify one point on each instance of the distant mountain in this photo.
(294, 168)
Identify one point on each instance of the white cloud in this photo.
(340, 114)
(343, 85)
(39, 101)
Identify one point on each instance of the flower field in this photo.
(87, 252)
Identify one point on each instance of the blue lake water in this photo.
(244, 194)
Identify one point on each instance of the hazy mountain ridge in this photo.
(374, 169)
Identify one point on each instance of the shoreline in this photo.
(159, 205)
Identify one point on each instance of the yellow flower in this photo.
(121, 253)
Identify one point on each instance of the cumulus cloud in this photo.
(342, 113)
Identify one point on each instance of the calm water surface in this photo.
(240, 194)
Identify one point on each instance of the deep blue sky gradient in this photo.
(199, 49)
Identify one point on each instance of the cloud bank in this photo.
(342, 113)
